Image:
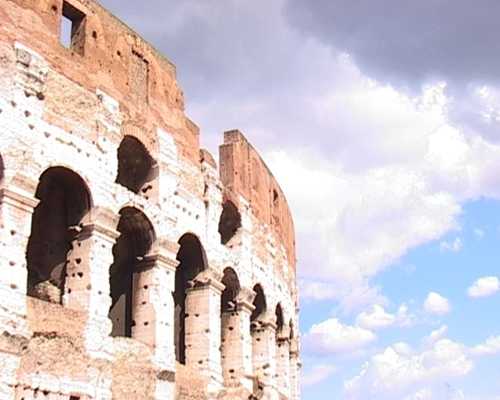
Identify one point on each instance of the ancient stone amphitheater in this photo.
(132, 266)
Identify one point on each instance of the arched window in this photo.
(136, 167)
(136, 238)
(232, 288)
(230, 221)
(259, 303)
(2, 168)
(56, 222)
(280, 322)
(192, 260)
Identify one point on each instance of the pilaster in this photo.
(236, 345)
(203, 328)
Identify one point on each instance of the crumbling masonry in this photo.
(132, 267)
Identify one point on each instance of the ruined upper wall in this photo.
(243, 171)
(106, 56)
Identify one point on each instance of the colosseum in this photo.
(132, 265)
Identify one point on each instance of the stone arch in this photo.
(259, 302)
(136, 239)
(280, 319)
(229, 222)
(192, 260)
(65, 200)
(137, 169)
(232, 288)
(2, 170)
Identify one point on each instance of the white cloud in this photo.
(375, 318)
(332, 337)
(435, 335)
(455, 246)
(479, 233)
(393, 374)
(484, 287)
(436, 304)
(490, 347)
(317, 374)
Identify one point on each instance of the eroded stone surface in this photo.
(132, 266)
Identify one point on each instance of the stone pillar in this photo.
(153, 313)
(87, 276)
(16, 209)
(283, 362)
(203, 327)
(294, 370)
(236, 346)
(264, 357)
(153, 306)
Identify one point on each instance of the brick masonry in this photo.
(132, 266)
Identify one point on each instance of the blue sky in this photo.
(381, 121)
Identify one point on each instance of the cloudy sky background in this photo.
(381, 121)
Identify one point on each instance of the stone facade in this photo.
(132, 267)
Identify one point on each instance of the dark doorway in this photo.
(64, 201)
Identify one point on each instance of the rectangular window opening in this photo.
(72, 29)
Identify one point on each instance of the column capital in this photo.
(209, 277)
(101, 220)
(18, 198)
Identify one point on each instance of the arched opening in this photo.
(280, 322)
(136, 168)
(56, 222)
(259, 303)
(232, 288)
(2, 168)
(136, 238)
(230, 222)
(231, 335)
(192, 261)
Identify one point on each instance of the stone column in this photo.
(87, 276)
(264, 357)
(153, 312)
(294, 370)
(236, 345)
(203, 327)
(283, 362)
(16, 209)
(153, 306)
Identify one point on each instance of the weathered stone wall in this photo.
(128, 260)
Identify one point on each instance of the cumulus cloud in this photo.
(436, 304)
(396, 374)
(435, 335)
(376, 317)
(317, 374)
(484, 287)
(490, 347)
(333, 337)
(454, 246)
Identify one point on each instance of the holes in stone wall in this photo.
(136, 168)
(229, 223)
(192, 260)
(64, 201)
(72, 28)
(136, 238)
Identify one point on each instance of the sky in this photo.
(380, 120)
